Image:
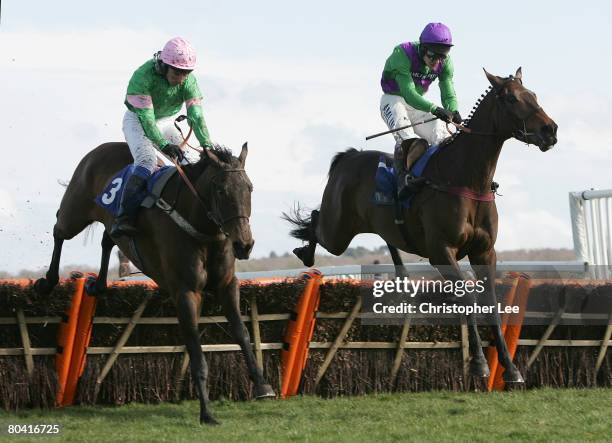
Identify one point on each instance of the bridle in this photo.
(519, 134)
(219, 222)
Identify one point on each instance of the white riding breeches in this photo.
(143, 150)
(396, 112)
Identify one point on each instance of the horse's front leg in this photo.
(230, 294)
(188, 306)
(484, 266)
(444, 260)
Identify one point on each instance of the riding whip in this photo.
(400, 128)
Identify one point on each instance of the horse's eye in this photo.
(511, 99)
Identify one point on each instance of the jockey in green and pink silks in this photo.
(406, 77)
(155, 95)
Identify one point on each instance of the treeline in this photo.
(358, 255)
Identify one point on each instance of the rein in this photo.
(209, 213)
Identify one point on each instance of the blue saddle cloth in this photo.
(110, 198)
(386, 178)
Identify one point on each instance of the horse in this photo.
(184, 259)
(452, 217)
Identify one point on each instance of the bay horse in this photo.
(453, 217)
(183, 262)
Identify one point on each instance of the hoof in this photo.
(304, 255)
(209, 420)
(479, 368)
(513, 376)
(264, 391)
(94, 287)
(43, 287)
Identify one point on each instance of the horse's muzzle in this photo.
(242, 250)
(548, 136)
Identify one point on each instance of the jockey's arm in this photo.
(195, 115)
(447, 88)
(146, 116)
(400, 64)
(410, 94)
(138, 100)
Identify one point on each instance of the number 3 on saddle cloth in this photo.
(110, 198)
(386, 179)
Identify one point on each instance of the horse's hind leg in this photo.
(400, 270)
(188, 305)
(72, 218)
(45, 285)
(97, 286)
(306, 253)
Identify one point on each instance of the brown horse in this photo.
(183, 261)
(455, 216)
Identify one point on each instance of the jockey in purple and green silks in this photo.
(407, 75)
(155, 95)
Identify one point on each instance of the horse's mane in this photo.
(338, 157)
(466, 121)
(222, 152)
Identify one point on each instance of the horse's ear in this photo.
(495, 81)
(519, 74)
(207, 153)
(243, 154)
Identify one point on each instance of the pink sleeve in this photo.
(193, 101)
(140, 101)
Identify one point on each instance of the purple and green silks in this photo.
(406, 74)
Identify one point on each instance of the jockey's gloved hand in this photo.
(173, 151)
(443, 114)
(457, 118)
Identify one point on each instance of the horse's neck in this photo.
(187, 203)
(470, 160)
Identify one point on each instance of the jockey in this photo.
(406, 77)
(155, 94)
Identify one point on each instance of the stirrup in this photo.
(411, 186)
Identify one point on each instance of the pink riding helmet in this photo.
(179, 54)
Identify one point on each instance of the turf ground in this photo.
(536, 415)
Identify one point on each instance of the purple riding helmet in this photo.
(437, 37)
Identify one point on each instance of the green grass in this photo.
(536, 415)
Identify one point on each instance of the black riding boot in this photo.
(406, 183)
(125, 224)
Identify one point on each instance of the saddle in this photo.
(110, 197)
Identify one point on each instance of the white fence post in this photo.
(591, 229)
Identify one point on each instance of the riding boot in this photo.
(125, 223)
(407, 184)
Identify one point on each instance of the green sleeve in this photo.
(447, 89)
(196, 120)
(400, 65)
(147, 120)
(140, 85)
(194, 111)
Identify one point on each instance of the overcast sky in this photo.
(298, 81)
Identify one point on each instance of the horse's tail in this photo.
(303, 227)
(339, 157)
